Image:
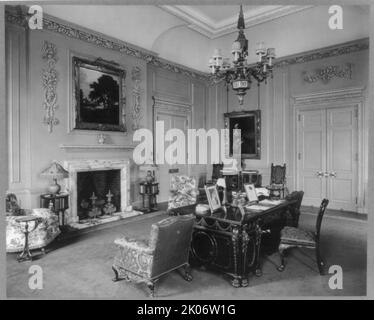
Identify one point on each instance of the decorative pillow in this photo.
(12, 207)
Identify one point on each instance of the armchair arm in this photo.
(138, 245)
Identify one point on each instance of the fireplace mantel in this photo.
(75, 166)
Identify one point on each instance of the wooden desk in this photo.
(231, 244)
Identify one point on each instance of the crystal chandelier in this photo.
(240, 74)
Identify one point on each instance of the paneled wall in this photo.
(170, 91)
(31, 146)
(276, 102)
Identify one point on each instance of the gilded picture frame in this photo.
(99, 95)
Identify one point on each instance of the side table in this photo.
(26, 254)
(58, 203)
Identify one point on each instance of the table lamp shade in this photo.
(56, 172)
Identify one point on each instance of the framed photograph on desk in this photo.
(250, 190)
(213, 197)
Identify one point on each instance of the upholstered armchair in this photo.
(183, 194)
(166, 250)
(46, 231)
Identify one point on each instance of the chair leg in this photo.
(116, 277)
(187, 273)
(320, 263)
(151, 287)
(282, 266)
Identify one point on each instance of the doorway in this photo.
(327, 155)
(173, 117)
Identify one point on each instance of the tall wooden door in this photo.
(165, 171)
(327, 151)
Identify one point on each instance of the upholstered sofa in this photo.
(46, 231)
(166, 250)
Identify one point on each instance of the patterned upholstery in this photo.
(44, 233)
(167, 249)
(183, 191)
(295, 236)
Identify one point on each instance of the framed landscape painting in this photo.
(99, 95)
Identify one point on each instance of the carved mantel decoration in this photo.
(327, 73)
(136, 113)
(49, 82)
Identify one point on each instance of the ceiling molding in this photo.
(212, 29)
(71, 30)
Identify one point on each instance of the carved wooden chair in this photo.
(296, 237)
(166, 250)
(277, 181)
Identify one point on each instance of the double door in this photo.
(327, 156)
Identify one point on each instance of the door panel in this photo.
(171, 121)
(312, 155)
(341, 154)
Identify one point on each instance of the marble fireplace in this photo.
(76, 167)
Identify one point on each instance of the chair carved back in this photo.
(216, 173)
(171, 239)
(321, 212)
(278, 174)
(297, 197)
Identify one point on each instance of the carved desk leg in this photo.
(235, 238)
(258, 235)
(245, 240)
(151, 287)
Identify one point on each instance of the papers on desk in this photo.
(256, 207)
(262, 192)
(270, 203)
(263, 205)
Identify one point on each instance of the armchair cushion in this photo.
(295, 236)
(44, 233)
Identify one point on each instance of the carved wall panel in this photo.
(49, 82)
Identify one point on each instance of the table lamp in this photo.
(56, 172)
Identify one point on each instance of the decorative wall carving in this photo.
(327, 73)
(50, 23)
(136, 112)
(49, 82)
(338, 50)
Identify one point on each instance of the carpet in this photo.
(80, 267)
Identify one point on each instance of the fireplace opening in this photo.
(99, 193)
